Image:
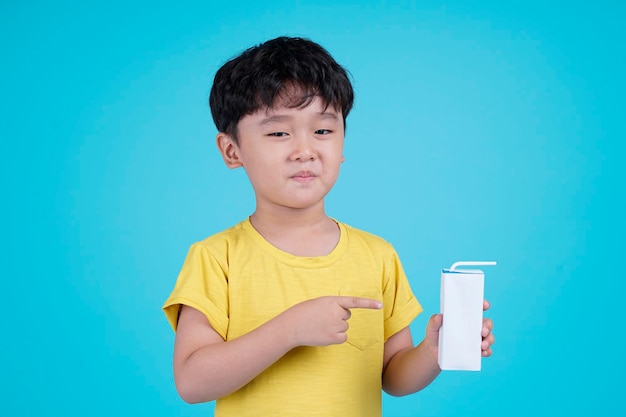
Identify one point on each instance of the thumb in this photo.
(435, 322)
(432, 329)
(432, 334)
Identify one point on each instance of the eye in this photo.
(278, 134)
(323, 131)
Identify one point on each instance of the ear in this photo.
(229, 150)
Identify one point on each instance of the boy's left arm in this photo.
(408, 369)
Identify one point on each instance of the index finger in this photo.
(358, 302)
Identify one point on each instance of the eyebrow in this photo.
(329, 115)
(275, 118)
(282, 118)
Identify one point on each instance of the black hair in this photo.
(294, 70)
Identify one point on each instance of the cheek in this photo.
(264, 174)
(333, 169)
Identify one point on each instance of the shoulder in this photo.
(224, 237)
(219, 245)
(362, 237)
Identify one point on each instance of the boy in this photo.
(291, 313)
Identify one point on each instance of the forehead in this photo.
(291, 95)
(314, 107)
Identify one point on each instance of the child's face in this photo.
(292, 155)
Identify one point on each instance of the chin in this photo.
(305, 204)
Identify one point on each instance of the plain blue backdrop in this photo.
(481, 131)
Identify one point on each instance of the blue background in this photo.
(481, 131)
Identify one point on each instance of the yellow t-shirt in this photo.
(240, 281)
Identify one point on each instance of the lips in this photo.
(303, 176)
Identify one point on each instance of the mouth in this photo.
(303, 176)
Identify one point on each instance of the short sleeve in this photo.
(399, 304)
(202, 284)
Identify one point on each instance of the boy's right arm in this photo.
(206, 367)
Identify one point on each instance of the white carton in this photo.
(462, 294)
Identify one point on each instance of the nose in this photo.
(304, 149)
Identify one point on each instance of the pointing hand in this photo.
(324, 321)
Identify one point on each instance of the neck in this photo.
(301, 232)
(285, 220)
